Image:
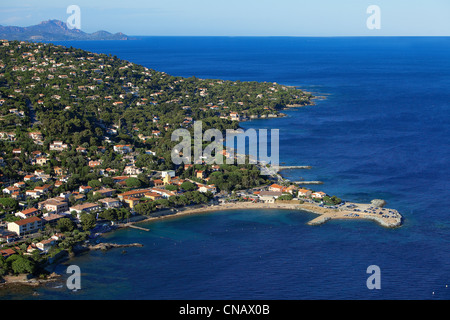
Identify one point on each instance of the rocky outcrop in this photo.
(107, 246)
(28, 279)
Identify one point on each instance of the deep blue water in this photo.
(383, 131)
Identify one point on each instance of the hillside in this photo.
(93, 101)
(55, 30)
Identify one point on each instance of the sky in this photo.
(241, 17)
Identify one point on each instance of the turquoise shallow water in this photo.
(382, 132)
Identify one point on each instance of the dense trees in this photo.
(72, 93)
(92, 102)
(115, 214)
(20, 264)
(231, 177)
(87, 221)
(8, 204)
(188, 186)
(65, 224)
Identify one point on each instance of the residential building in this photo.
(132, 170)
(52, 218)
(164, 193)
(318, 195)
(123, 148)
(11, 190)
(234, 116)
(205, 188)
(153, 195)
(94, 163)
(20, 184)
(105, 192)
(110, 202)
(55, 205)
(133, 194)
(304, 192)
(7, 252)
(269, 196)
(276, 188)
(131, 201)
(58, 146)
(35, 194)
(43, 189)
(200, 174)
(158, 182)
(170, 173)
(84, 189)
(41, 161)
(31, 178)
(27, 213)
(59, 171)
(85, 207)
(45, 245)
(26, 226)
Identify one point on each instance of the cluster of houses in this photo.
(274, 191)
(51, 210)
(42, 246)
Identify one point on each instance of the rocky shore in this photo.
(108, 246)
(28, 280)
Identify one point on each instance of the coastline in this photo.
(26, 280)
(324, 214)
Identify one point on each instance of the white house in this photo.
(205, 188)
(85, 207)
(269, 196)
(123, 148)
(45, 245)
(171, 173)
(318, 195)
(58, 146)
(33, 194)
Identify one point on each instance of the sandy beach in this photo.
(385, 217)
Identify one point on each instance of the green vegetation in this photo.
(285, 197)
(95, 100)
(333, 200)
(71, 119)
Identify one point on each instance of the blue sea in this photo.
(382, 131)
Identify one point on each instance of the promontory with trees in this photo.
(85, 140)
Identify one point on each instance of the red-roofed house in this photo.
(26, 226)
(318, 195)
(304, 192)
(85, 189)
(276, 188)
(27, 213)
(7, 252)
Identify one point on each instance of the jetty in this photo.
(136, 227)
(279, 168)
(308, 182)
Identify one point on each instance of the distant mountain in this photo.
(55, 30)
